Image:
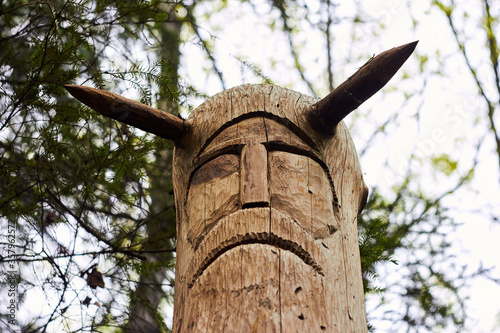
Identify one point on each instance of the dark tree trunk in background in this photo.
(144, 314)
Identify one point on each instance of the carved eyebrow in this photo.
(297, 149)
(232, 147)
(255, 114)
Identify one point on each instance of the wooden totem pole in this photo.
(268, 188)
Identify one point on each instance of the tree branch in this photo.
(492, 42)
(90, 229)
(192, 20)
(281, 7)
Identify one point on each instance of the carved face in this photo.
(260, 163)
(260, 166)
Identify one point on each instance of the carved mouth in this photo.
(257, 232)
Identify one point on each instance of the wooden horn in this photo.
(131, 112)
(370, 78)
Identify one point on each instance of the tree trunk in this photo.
(144, 314)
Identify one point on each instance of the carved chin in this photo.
(257, 226)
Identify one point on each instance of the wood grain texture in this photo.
(267, 207)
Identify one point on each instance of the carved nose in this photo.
(254, 191)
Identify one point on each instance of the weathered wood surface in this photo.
(267, 238)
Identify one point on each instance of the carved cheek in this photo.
(213, 193)
(300, 188)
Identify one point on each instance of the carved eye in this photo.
(219, 167)
(213, 193)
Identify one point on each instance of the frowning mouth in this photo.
(251, 226)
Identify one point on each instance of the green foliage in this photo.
(444, 164)
(374, 246)
(446, 9)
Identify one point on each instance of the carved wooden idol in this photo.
(268, 188)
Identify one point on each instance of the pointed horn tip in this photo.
(410, 47)
(72, 89)
(69, 87)
(75, 87)
(360, 84)
(414, 43)
(401, 53)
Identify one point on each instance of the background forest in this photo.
(87, 220)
